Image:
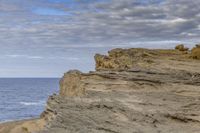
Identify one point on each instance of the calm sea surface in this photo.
(23, 98)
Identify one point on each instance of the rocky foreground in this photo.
(131, 91)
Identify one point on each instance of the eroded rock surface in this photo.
(71, 85)
(196, 52)
(132, 91)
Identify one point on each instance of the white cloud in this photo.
(105, 22)
(48, 41)
(24, 56)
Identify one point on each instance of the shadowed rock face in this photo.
(132, 91)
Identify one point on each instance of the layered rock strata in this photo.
(132, 91)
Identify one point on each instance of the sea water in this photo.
(24, 98)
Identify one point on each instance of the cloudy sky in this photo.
(45, 38)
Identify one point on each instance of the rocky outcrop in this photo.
(132, 91)
(71, 84)
(181, 47)
(196, 52)
(124, 59)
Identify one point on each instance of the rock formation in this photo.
(71, 84)
(181, 47)
(131, 91)
(123, 59)
(196, 52)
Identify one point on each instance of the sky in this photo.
(45, 38)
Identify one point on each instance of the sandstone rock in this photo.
(130, 101)
(195, 53)
(70, 84)
(105, 62)
(132, 91)
(181, 47)
(129, 93)
(126, 59)
(123, 59)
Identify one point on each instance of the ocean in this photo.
(24, 98)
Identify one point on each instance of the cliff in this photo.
(131, 91)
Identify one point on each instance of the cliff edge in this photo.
(131, 91)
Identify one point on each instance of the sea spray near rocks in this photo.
(38, 103)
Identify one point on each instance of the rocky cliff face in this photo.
(132, 91)
(124, 59)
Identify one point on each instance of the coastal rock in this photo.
(71, 84)
(123, 59)
(132, 91)
(196, 52)
(181, 47)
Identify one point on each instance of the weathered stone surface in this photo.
(157, 96)
(123, 59)
(71, 85)
(196, 52)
